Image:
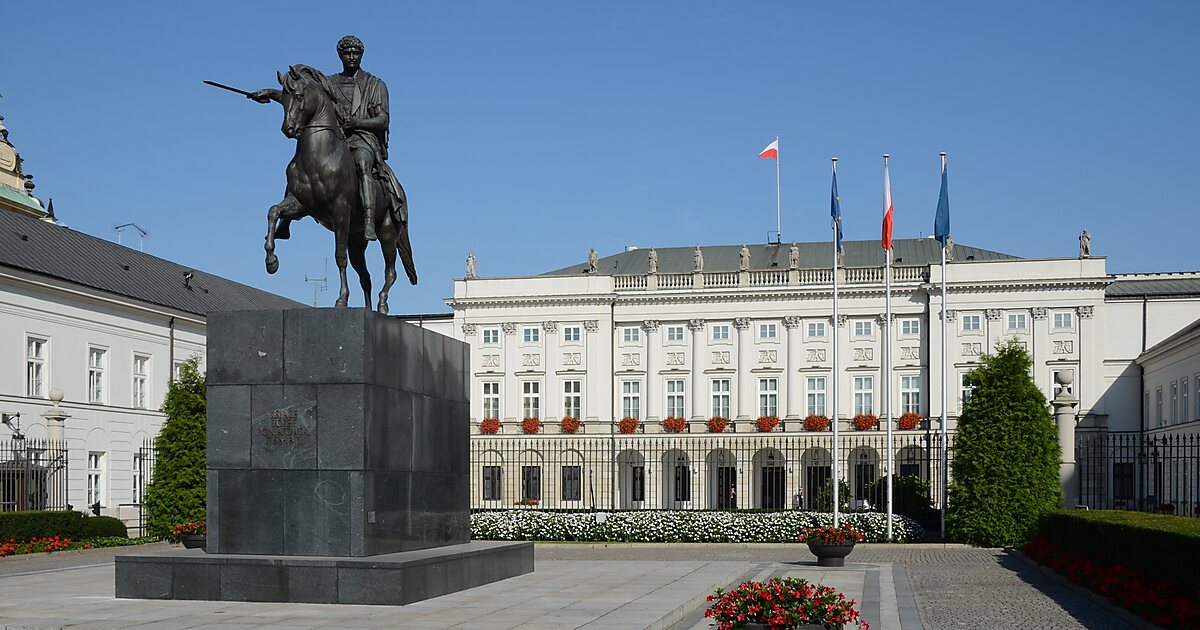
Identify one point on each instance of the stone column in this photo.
(995, 328)
(510, 397)
(55, 418)
(1064, 417)
(552, 397)
(653, 382)
(793, 396)
(745, 378)
(599, 377)
(1087, 342)
(699, 406)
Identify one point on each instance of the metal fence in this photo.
(1132, 471)
(33, 475)
(699, 471)
(143, 465)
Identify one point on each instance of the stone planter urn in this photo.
(831, 554)
(192, 541)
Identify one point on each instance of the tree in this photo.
(1006, 454)
(177, 493)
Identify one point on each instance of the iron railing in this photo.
(33, 475)
(690, 471)
(143, 465)
(1133, 471)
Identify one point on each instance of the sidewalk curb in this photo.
(1099, 600)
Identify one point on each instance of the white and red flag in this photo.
(887, 209)
(772, 150)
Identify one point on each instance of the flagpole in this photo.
(778, 221)
(887, 352)
(945, 396)
(836, 469)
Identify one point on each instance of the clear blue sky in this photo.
(529, 132)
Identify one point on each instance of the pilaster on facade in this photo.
(745, 365)
(699, 397)
(793, 398)
(510, 396)
(654, 382)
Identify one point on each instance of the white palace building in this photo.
(697, 333)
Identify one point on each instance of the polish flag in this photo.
(772, 150)
(887, 209)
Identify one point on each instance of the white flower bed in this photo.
(678, 526)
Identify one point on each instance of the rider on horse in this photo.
(362, 107)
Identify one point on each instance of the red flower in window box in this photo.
(531, 425)
(490, 426)
(766, 424)
(910, 421)
(816, 423)
(629, 424)
(674, 424)
(865, 421)
(717, 424)
(569, 424)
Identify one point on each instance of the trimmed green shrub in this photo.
(1005, 468)
(103, 527)
(911, 495)
(176, 494)
(825, 497)
(1151, 543)
(22, 526)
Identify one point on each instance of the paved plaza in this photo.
(592, 586)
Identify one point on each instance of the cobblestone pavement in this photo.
(954, 586)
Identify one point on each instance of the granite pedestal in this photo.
(336, 433)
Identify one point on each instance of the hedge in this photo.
(1154, 544)
(23, 526)
(103, 527)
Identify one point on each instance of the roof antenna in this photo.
(142, 234)
(319, 284)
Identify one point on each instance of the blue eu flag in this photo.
(941, 223)
(835, 211)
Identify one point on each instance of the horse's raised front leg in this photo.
(358, 260)
(289, 207)
(387, 243)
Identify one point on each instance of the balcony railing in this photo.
(765, 278)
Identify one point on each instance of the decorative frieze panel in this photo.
(550, 327)
(1064, 347)
(720, 357)
(509, 328)
(972, 349)
(696, 325)
(768, 356)
(591, 325)
(491, 360)
(531, 360)
(910, 353)
(992, 314)
(815, 354)
(469, 330)
(1085, 312)
(571, 358)
(631, 359)
(1039, 312)
(650, 325)
(792, 321)
(864, 354)
(741, 323)
(674, 358)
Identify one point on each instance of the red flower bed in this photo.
(717, 424)
(531, 425)
(816, 423)
(831, 535)
(865, 421)
(569, 424)
(1161, 602)
(489, 426)
(629, 425)
(198, 528)
(766, 423)
(782, 603)
(674, 424)
(910, 421)
(39, 545)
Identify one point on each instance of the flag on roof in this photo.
(941, 222)
(772, 150)
(887, 209)
(835, 210)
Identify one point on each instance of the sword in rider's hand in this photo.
(231, 89)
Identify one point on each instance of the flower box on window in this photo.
(490, 426)
(717, 424)
(629, 424)
(569, 424)
(865, 421)
(531, 425)
(766, 424)
(816, 422)
(674, 424)
(910, 421)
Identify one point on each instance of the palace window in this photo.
(35, 367)
(864, 328)
(768, 396)
(491, 399)
(720, 397)
(768, 331)
(1158, 415)
(491, 483)
(675, 398)
(631, 334)
(631, 399)
(491, 336)
(864, 392)
(141, 376)
(531, 399)
(683, 482)
(531, 334)
(571, 334)
(674, 333)
(572, 483)
(815, 386)
(910, 327)
(972, 323)
(1016, 321)
(95, 478)
(572, 398)
(910, 393)
(1184, 410)
(1064, 320)
(96, 388)
(965, 391)
(720, 332)
(531, 483)
(1174, 403)
(816, 330)
(139, 477)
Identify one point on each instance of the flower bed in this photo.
(679, 526)
(1161, 602)
(489, 426)
(717, 424)
(831, 535)
(629, 425)
(866, 421)
(910, 421)
(782, 603)
(766, 424)
(674, 424)
(569, 424)
(197, 528)
(58, 543)
(531, 425)
(816, 423)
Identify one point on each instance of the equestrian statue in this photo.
(339, 175)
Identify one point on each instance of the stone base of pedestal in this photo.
(393, 579)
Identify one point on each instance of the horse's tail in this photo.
(405, 249)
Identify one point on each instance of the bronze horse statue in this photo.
(322, 183)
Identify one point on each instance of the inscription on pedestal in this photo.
(284, 429)
(284, 436)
